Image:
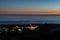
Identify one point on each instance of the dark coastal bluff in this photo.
(30, 32)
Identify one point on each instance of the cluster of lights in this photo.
(31, 27)
(20, 29)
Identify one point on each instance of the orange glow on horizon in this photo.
(30, 12)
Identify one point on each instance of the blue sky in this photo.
(29, 5)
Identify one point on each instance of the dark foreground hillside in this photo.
(43, 32)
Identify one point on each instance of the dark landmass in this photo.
(29, 15)
(43, 32)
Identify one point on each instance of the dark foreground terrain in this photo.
(43, 32)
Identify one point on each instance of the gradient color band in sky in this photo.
(29, 6)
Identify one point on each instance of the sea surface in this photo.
(29, 19)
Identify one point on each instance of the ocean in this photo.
(29, 19)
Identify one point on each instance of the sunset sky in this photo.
(29, 7)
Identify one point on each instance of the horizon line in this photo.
(30, 15)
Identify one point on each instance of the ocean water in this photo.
(29, 19)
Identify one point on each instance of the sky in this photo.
(29, 7)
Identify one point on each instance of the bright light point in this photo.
(19, 29)
(33, 27)
(17, 26)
